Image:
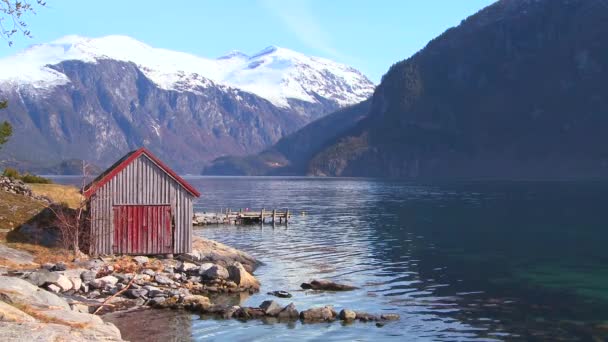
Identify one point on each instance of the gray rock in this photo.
(204, 267)
(93, 264)
(270, 307)
(15, 290)
(94, 294)
(187, 267)
(63, 282)
(88, 276)
(157, 301)
(216, 272)
(289, 313)
(42, 277)
(136, 293)
(123, 278)
(163, 279)
(347, 315)
(140, 259)
(53, 288)
(154, 291)
(149, 272)
(103, 282)
(194, 279)
(60, 266)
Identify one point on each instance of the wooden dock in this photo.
(227, 216)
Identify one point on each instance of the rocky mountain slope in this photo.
(515, 91)
(291, 154)
(95, 99)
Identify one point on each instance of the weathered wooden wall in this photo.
(141, 182)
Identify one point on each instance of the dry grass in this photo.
(16, 210)
(40, 316)
(44, 254)
(6, 263)
(41, 253)
(58, 193)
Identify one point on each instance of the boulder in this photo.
(88, 276)
(42, 277)
(271, 308)
(163, 279)
(123, 278)
(157, 301)
(238, 274)
(347, 315)
(64, 283)
(154, 291)
(53, 288)
(60, 266)
(326, 285)
(187, 267)
(289, 313)
(204, 267)
(216, 272)
(103, 282)
(326, 313)
(205, 250)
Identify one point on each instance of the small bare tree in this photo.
(74, 223)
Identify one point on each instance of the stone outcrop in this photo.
(209, 251)
(30, 313)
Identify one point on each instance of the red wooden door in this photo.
(142, 229)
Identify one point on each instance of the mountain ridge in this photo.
(80, 99)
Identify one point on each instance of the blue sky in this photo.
(369, 35)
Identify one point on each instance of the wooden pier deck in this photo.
(227, 216)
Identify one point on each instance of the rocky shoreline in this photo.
(56, 300)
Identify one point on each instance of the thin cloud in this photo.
(298, 17)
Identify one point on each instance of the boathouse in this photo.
(140, 206)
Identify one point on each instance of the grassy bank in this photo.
(19, 210)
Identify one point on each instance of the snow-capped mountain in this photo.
(276, 74)
(96, 99)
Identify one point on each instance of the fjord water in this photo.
(457, 261)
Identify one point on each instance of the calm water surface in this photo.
(466, 261)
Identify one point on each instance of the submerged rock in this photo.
(326, 285)
(280, 294)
